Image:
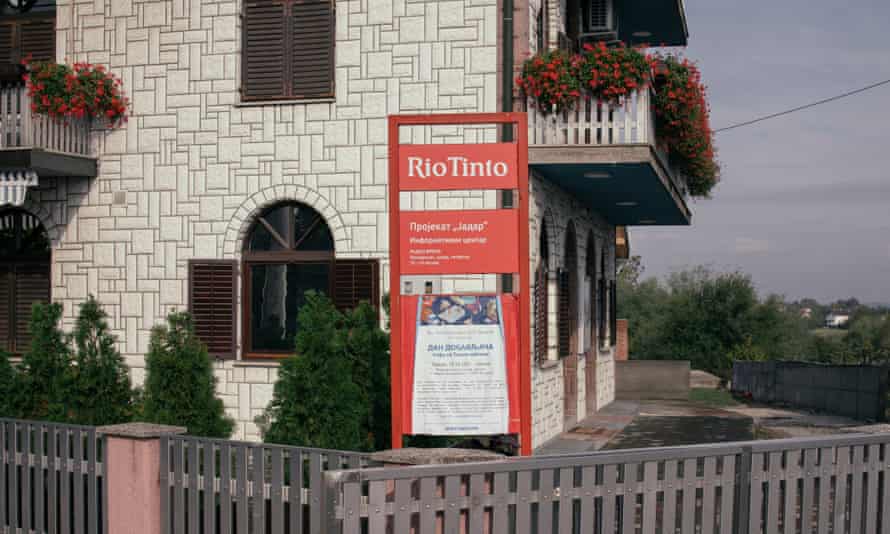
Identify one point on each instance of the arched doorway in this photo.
(592, 353)
(24, 275)
(289, 250)
(568, 326)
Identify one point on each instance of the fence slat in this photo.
(629, 501)
(499, 518)
(402, 519)
(52, 500)
(25, 478)
(755, 516)
(243, 508)
(871, 489)
(352, 503)
(610, 481)
(166, 513)
(452, 512)
(690, 474)
(545, 500)
(296, 491)
(315, 468)
(193, 492)
(668, 518)
(477, 511)
(840, 492)
(178, 485)
(588, 504)
(728, 491)
(789, 513)
(209, 472)
(710, 482)
(258, 472)
(826, 468)
(856, 501)
(773, 504)
(885, 501)
(566, 503)
(225, 488)
(650, 485)
(276, 492)
(809, 485)
(93, 524)
(427, 514)
(4, 452)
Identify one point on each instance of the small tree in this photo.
(101, 394)
(8, 387)
(43, 390)
(368, 348)
(316, 402)
(180, 388)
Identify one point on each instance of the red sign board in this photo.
(458, 242)
(450, 167)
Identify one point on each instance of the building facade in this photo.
(254, 166)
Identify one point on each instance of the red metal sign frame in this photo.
(519, 120)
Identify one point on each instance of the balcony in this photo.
(37, 144)
(607, 156)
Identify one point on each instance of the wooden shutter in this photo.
(37, 38)
(541, 314)
(356, 281)
(263, 42)
(601, 308)
(613, 313)
(6, 43)
(6, 308)
(32, 285)
(212, 304)
(312, 48)
(565, 315)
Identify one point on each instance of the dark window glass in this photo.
(311, 231)
(277, 293)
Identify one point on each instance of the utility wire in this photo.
(805, 106)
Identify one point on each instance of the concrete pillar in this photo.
(133, 476)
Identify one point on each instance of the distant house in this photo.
(837, 319)
(806, 313)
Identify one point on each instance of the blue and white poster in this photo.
(460, 367)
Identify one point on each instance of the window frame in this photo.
(288, 45)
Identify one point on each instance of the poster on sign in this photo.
(461, 382)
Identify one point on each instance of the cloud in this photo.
(748, 246)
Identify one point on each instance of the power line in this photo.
(805, 106)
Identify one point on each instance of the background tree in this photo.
(180, 388)
(44, 380)
(368, 348)
(317, 402)
(101, 390)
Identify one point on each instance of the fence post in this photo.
(133, 476)
(743, 492)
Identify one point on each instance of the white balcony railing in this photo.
(593, 122)
(21, 129)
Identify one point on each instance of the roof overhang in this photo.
(629, 185)
(47, 163)
(652, 22)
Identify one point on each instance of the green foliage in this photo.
(708, 318)
(180, 388)
(8, 387)
(713, 398)
(317, 402)
(45, 378)
(100, 383)
(368, 348)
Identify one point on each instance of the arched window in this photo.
(541, 296)
(288, 251)
(591, 274)
(24, 275)
(568, 296)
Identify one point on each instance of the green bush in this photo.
(8, 387)
(368, 347)
(180, 388)
(43, 391)
(317, 402)
(101, 391)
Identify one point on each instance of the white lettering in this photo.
(455, 166)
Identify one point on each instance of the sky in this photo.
(804, 200)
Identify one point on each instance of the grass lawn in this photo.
(716, 398)
(829, 332)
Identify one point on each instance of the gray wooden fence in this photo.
(857, 391)
(226, 487)
(50, 478)
(827, 485)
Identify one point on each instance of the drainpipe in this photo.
(507, 67)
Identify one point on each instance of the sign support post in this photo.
(520, 240)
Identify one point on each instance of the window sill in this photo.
(258, 103)
(267, 362)
(548, 364)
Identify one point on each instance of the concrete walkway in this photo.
(594, 432)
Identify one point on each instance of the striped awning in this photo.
(14, 186)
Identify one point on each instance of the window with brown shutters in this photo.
(613, 313)
(356, 281)
(541, 314)
(564, 319)
(287, 49)
(212, 301)
(25, 36)
(24, 276)
(601, 291)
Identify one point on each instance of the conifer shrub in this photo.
(8, 387)
(45, 379)
(180, 388)
(100, 382)
(317, 402)
(368, 348)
